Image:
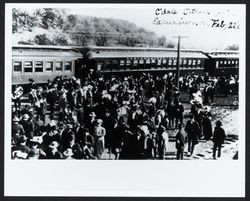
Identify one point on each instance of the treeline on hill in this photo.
(50, 26)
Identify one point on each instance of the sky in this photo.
(205, 26)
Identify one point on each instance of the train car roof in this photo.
(53, 51)
(44, 47)
(148, 54)
(117, 52)
(223, 54)
(137, 48)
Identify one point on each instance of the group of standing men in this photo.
(130, 117)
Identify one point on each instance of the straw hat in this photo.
(16, 119)
(92, 114)
(54, 144)
(26, 117)
(68, 152)
(69, 126)
(99, 121)
(37, 139)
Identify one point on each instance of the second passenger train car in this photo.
(122, 60)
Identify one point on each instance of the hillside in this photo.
(58, 27)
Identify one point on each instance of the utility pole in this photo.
(178, 59)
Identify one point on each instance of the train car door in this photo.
(80, 68)
(209, 66)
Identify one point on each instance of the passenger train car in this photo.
(222, 63)
(42, 63)
(123, 60)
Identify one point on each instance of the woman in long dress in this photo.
(99, 134)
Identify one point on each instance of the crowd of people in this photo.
(70, 118)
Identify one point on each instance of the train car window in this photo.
(184, 63)
(233, 62)
(141, 63)
(49, 66)
(199, 62)
(28, 66)
(99, 66)
(147, 66)
(181, 63)
(194, 63)
(221, 62)
(174, 62)
(128, 62)
(59, 65)
(225, 62)
(189, 63)
(158, 62)
(164, 62)
(236, 63)
(17, 66)
(68, 66)
(170, 62)
(217, 64)
(135, 63)
(122, 62)
(39, 66)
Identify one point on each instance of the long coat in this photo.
(207, 128)
(99, 133)
(193, 131)
(181, 138)
(132, 147)
(219, 136)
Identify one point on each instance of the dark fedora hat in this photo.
(218, 123)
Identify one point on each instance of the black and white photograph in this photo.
(124, 82)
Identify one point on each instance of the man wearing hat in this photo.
(161, 142)
(16, 97)
(67, 136)
(136, 118)
(90, 124)
(207, 125)
(193, 132)
(27, 126)
(78, 130)
(68, 153)
(181, 139)
(123, 111)
(21, 147)
(35, 151)
(109, 124)
(50, 136)
(16, 127)
(218, 138)
(53, 152)
(212, 92)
